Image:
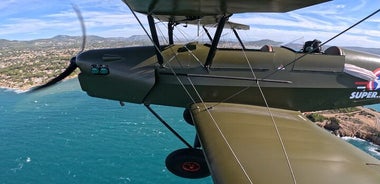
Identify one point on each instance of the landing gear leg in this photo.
(187, 117)
(188, 163)
(197, 143)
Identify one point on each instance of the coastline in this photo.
(357, 122)
(23, 88)
(374, 148)
(18, 91)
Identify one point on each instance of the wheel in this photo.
(187, 163)
(187, 117)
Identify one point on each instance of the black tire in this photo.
(187, 163)
(187, 117)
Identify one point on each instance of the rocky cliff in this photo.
(357, 122)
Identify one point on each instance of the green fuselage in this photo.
(313, 81)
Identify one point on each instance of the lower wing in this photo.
(251, 144)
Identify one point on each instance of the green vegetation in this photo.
(346, 110)
(315, 117)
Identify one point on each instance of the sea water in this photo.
(61, 135)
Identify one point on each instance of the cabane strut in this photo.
(215, 41)
(171, 25)
(156, 42)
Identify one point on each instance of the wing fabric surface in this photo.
(241, 146)
(216, 7)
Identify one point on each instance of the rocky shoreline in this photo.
(359, 122)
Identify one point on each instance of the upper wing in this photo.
(242, 145)
(216, 7)
(208, 12)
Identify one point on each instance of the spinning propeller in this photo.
(71, 68)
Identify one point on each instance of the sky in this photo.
(34, 19)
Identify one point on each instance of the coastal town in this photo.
(25, 64)
(23, 69)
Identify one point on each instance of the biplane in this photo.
(245, 104)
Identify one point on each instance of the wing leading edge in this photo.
(241, 146)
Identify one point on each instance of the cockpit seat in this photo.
(334, 50)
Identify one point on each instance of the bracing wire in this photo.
(207, 109)
(177, 77)
(159, 29)
(202, 101)
(181, 83)
(272, 118)
(172, 70)
(142, 26)
(217, 126)
(185, 46)
(267, 105)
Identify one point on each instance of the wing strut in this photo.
(215, 41)
(153, 32)
(168, 126)
(171, 25)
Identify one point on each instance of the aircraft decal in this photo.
(369, 88)
(375, 85)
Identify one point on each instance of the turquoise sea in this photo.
(61, 135)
